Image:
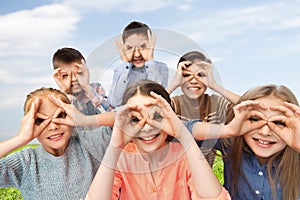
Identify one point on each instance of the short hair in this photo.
(135, 28)
(43, 92)
(66, 55)
(192, 56)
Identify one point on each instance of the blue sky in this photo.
(250, 42)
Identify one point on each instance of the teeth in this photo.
(263, 142)
(55, 136)
(148, 138)
(192, 88)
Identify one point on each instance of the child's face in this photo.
(71, 67)
(55, 137)
(137, 44)
(191, 81)
(263, 141)
(149, 139)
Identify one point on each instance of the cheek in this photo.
(66, 129)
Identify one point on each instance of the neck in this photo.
(154, 158)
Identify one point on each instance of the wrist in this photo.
(19, 141)
(185, 138)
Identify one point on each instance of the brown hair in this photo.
(285, 162)
(43, 92)
(192, 56)
(204, 101)
(144, 87)
(66, 55)
(135, 28)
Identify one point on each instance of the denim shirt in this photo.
(155, 71)
(253, 181)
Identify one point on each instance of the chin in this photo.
(192, 95)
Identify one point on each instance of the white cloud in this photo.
(28, 31)
(140, 6)
(235, 22)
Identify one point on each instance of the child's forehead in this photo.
(136, 38)
(268, 102)
(194, 67)
(47, 107)
(69, 66)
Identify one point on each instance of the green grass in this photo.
(218, 168)
(14, 194)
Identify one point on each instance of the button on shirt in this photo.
(126, 74)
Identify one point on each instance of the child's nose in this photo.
(53, 126)
(137, 52)
(193, 79)
(265, 130)
(73, 77)
(147, 128)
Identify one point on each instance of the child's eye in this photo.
(129, 48)
(253, 119)
(279, 123)
(62, 115)
(38, 121)
(134, 120)
(157, 116)
(186, 75)
(201, 74)
(65, 76)
(143, 46)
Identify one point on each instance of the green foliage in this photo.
(218, 168)
(13, 193)
(10, 194)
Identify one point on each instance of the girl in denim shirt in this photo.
(261, 161)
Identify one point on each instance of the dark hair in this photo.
(144, 87)
(135, 28)
(66, 55)
(192, 56)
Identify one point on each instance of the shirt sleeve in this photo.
(14, 168)
(190, 123)
(158, 72)
(96, 140)
(119, 84)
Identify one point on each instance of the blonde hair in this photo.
(43, 92)
(285, 162)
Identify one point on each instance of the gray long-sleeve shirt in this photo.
(40, 175)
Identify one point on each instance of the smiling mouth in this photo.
(148, 138)
(138, 59)
(55, 137)
(263, 142)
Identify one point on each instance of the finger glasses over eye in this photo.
(276, 122)
(38, 121)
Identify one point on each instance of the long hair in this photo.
(286, 162)
(43, 92)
